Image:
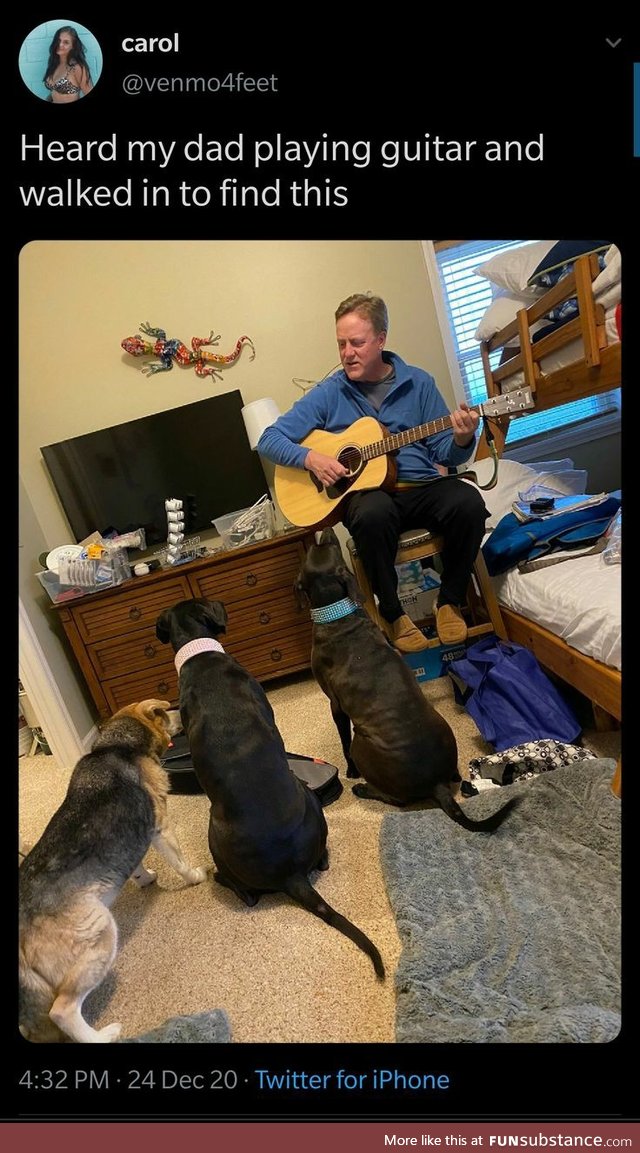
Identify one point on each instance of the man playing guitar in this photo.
(376, 383)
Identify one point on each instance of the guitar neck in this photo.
(399, 439)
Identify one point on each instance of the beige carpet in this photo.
(280, 974)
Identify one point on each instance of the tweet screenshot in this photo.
(319, 790)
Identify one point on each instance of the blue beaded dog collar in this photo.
(334, 612)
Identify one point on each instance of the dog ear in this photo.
(300, 593)
(350, 584)
(163, 631)
(215, 615)
(152, 708)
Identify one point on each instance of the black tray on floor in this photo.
(319, 775)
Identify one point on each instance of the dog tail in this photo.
(442, 795)
(301, 890)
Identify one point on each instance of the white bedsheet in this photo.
(578, 600)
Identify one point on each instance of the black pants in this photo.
(449, 507)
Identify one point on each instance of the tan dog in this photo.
(115, 808)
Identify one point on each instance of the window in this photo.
(465, 298)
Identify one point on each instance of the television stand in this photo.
(113, 633)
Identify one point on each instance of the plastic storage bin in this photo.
(247, 525)
(76, 578)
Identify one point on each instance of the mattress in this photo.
(569, 354)
(580, 599)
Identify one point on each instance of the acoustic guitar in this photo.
(365, 449)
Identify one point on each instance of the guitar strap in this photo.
(491, 444)
(469, 474)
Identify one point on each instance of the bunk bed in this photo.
(560, 362)
(564, 359)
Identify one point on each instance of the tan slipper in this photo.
(404, 635)
(450, 625)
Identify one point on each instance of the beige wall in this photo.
(78, 300)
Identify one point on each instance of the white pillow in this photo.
(609, 277)
(502, 311)
(511, 270)
(512, 476)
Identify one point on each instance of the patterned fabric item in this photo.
(522, 762)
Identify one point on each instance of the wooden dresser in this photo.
(113, 634)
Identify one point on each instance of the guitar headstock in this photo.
(520, 400)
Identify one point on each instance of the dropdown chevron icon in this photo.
(614, 43)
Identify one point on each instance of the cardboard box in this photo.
(432, 663)
(419, 603)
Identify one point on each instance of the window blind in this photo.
(466, 298)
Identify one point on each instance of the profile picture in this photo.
(60, 61)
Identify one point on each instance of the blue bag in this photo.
(511, 700)
(513, 541)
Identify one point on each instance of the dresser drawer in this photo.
(117, 614)
(116, 656)
(274, 656)
(252, 577)
(160, 682)
(113, 633)
(262, 617)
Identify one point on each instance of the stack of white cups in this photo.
(175, 529)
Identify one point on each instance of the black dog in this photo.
(402, 747)
(267, 830)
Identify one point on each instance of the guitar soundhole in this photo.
(351, 457)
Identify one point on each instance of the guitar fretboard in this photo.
(409, 436)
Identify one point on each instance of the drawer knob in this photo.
(135, 614)
(163, 688)
(264, 618)
(276, 655)
(251, 579)
(149, 651)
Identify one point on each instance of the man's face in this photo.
(360, 348)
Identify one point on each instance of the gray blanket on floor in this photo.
(512, 936)
(196, 1028)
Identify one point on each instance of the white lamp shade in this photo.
(257, 416)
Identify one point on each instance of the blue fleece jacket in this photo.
(335, 403)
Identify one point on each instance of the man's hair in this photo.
(367, 305)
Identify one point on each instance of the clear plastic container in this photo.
(247, 526)
(612, 552)
(91, 575)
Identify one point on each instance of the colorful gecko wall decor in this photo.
(169, 350)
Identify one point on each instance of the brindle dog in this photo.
(403, 748)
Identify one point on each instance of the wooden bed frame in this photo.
(598, 370)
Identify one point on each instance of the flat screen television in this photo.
(118, 478)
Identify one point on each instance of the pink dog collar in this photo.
(202, 645)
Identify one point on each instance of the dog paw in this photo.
(143, 877)
(352, 770)
(360, 791)
(195, 876)
(109, 1033)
